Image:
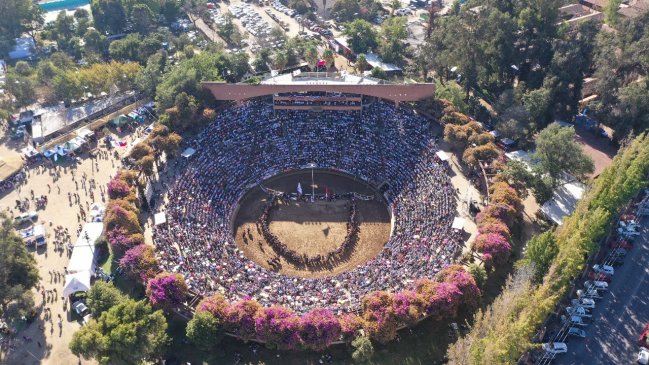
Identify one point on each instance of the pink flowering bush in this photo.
(318, 329)
(464, 281)
(139, 262)
(349, 326)
(120, 240)
(495, 227)
(407, 306)
(167, 290)
(118, 188)
(381, 322)
(216, 305)
(240, 318)
(494, 247)
(278, 326)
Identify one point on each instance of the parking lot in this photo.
(619, 317)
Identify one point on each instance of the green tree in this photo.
(361, 36)
(633, 107)
(18, 273)
(18, 16)
(67, 86)
(378, 73)
(363, 350)
(149, 77)
(204, 330)
(394, 5)
(263, 60)
(540, 252)
(64, 26)
(129, 333)
(102, 296)
(311, 57)
(143, 18)
(94, 41)
(23, 69)
(280, 61)
(46, 72)
(557, 152)
(329, 57)
(22, 88)
(394, 33)
(361, 63)
(479, 274)
(109, 15)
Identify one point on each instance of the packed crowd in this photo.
(249, 143)
(305, 260)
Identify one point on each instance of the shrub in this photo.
(378, 314)
(407, 306)
(486, 152)
(216, 305)
(167, 290)
(278, 326)
(494, 248)
(204, 330)
(118, 188)
(139, 262)
(494, 226)
(318, 329)
(240, 318)
(349, 326)
(503, 193)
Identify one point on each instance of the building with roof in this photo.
(376, 62)
(24, 49)
(575, 14)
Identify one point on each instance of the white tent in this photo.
(563, 202)
(83, 252)
(97, 210)
(189, 152)
(458, 223)
(442, 155)
(160, 218)
(76, 282)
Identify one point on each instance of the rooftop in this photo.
(321, 78)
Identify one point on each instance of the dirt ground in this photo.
(313, 228)
(44, 341)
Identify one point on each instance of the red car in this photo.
(621, 244)
(599, 276)
(644, 337)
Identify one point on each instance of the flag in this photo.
(299, 188)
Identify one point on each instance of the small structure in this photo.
(563, 202)
(160, 218)
(189, 152)
(83, 252)
(34, 235)
(76, 282)
(376, 62)
(575, 14)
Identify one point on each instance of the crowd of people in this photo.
(386, 146)
(304, 259)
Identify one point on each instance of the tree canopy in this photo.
(129, 333)
(18, 273)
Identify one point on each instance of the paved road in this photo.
(620, 317)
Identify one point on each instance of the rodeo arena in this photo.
(300, 129)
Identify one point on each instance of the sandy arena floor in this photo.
(313, 228)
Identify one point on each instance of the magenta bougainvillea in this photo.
(407, 306)
(494, 247)
(240, 318)
(120, 240)
(349, 326)
(118, 188)
(464, 281)
(139, 262)
(495, 227)
(278, 326)
(167, 290)
(318, 329)
(216, 304)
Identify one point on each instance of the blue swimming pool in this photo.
(63, 4)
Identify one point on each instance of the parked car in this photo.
(82, 311)
(584, 302)
(578, 321)
(576, 332)
(25, 217)
(606, 269)
(624, 244)
(643, 340)
(555, 348)
(599, 285)
(643, 357)
(578, 311)
(599, 276)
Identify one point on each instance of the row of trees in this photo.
(382, 314)
(112, 16)
(553, 260)
(389, 42)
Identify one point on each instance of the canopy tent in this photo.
(120, 120)
(442, 155)
(189, 152)
(85, 133)
(29, 151)
(563, 202)
(458, 223)
(160, 218)
(83, 252)
(73, 144)
(10, 164)
(61, 150)
(97, 211)
(76, 282)
(49, 153)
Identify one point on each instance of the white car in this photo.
(576, 332)
(597, 284)
(555, 348)
(643, 356)
(606, 269)
(25, 217)
(589, 293)
(578, 321)
(578, 311)
(584, 302)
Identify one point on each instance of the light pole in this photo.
(312, 165)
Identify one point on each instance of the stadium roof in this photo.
(304, 82)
